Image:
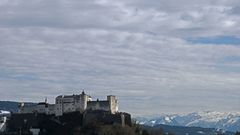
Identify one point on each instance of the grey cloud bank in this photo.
(134, 49)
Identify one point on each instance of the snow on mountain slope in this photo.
(4, 113)
(163, 119)
(3, 119)
(206, 119)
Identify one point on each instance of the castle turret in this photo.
(83, 101)
(59, 105)
(113, 103)
(20, 107)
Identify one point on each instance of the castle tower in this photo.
(113, 103)
(20, 107)
(122, 120)
(83, 102)
(59, 106)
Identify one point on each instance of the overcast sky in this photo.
(157, 56)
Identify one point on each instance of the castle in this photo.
(70, 114)
(71, 103)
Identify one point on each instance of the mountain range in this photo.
(205, 119)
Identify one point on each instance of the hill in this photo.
(11, 106)
(180, 130)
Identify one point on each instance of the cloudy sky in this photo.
(157, 56)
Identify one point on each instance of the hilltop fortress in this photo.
(72, 103)
(70, 114)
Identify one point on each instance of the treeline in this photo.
(135, 129)
(237, 133)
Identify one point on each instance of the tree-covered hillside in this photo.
(11, 105)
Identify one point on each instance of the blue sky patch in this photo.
(232, 59)
(230, 40)
(18, 76)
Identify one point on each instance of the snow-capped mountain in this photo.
(4, 113)
(206, 119)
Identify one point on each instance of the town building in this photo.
(41, 107)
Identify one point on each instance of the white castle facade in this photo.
(72, 103)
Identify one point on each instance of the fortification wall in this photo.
(106, 118)
(65, 123)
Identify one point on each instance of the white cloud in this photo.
(137, 49)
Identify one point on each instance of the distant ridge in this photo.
(180, 130)
(11, 106)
